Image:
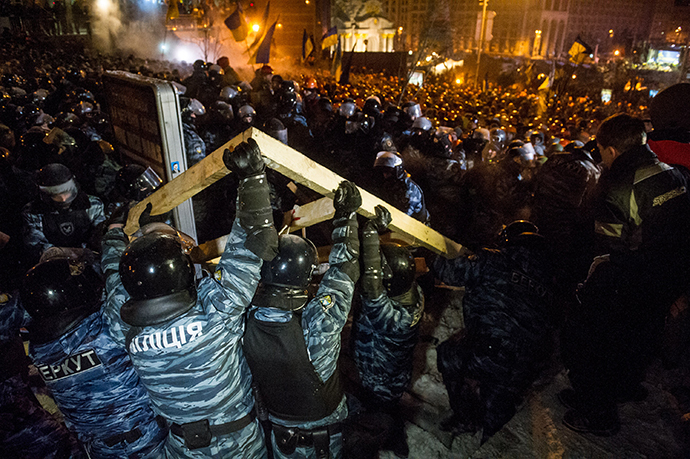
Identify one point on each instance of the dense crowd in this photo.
(570, 226)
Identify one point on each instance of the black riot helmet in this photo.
(287, 86)
(275, 128)
(159, 277)
(520, 232)
(398, 269)
(247, 115)
(58, 294)
(391, 162)
(65, 119)
(348, 108)
(136, 182)
(190, 109)
(284, 280)
(223, 112)
(199, 64)
(57, 185)
(372, 107)
(287, 103)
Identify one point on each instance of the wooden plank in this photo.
(201, 175)
(306, 172)
(312, 213)
(300, 169)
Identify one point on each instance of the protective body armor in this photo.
(276, 353)
(45, 227)
(67, 228)
(192, 365)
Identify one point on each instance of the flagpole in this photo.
(247, 45)
(419, 56)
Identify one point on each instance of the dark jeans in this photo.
(611, 337)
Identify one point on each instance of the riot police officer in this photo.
(183, 336)
(64, 216)
(387, 328)
(397, 188)
(195, 148)
(89, 375)
(26, 426)
(301, 387)
(508, 316)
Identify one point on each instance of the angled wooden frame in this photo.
(298, 168)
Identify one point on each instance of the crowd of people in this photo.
(573, 216)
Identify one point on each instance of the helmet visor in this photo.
(148, 180)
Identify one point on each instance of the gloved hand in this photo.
(372, 276)
(245, 159)
(347, 199)
(119, 216)
(382, 219)
(145, 218)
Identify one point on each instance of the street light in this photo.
(482, 33)
(537, 42)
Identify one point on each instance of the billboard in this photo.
(145, 117)
(664, 57)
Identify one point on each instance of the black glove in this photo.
(347, 199)
(245, 159)
(119, 216)
(145, 217)
(382, 219)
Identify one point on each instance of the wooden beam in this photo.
(300, 169)
(312, 213)
(314, 176)
(201, 175)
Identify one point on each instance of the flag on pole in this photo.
(263, 52)
(330, 38)
(337, 66)
(264, 23)
(173, 10)
(307, 46)
(548, 82)
(237, 24)
(579, 51)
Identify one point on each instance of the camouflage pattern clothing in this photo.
(507, 313)
(386, 333)
(27, 431)
(194, 146)
(323, 318)
(192, 365)
(405, 195)
(96, 388)
(46, 227)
